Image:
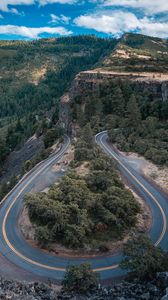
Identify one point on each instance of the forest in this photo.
(28, 107)
(135, 120)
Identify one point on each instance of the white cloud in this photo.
(32, 33)
(110, 24)
(59, 19)
(44, 2)
(154, 28)
(149, 6)
(118, 22)
(5, 4)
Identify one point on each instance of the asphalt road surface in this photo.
(47, 266)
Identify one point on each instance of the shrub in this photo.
(142, 259)
(80, 278)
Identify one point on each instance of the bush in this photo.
(142, 259)
(80, 279)
(42, 235)
(52, 135)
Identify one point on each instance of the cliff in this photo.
(90, 81)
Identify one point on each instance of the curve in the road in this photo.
(17, 250)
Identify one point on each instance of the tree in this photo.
(52, 135)
(133, 112)
(87, 135)
(80, 279)
(42, 235)
(118, 102)
(142, 259)
(3, 150)
(27, 165)
(13, 181)
(98, 180)
(3, 189)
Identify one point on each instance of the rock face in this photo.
(90, 81)
(16, 158)
(86, 82)
(154, 290)
(64, 110)
(26, 291)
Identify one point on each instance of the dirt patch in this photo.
(144, 219)
(26, 227)
(155, 173)
(139, 76)
(121, 53)
(83, 169)
(65, 160)
(38, 74)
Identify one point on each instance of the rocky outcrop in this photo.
(15, 160)
(26, 291)
(64, 110)
(152, 290)
(90, 81)
(87, 82)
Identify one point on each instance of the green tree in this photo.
(80, 279)
(52, 135)
(142, 259)
(87, 135)
(27, 165)
(3, 189)
(118, 102)
(42, 235)
(133, 112)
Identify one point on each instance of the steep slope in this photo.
(140, 53)
(33, 74)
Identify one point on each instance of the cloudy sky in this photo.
(32, 19)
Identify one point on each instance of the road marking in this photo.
(63, 269)
(143, 187)
(10, 207)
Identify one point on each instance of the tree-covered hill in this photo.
(138, 53)
(34, 74)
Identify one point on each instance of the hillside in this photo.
(138, 53)
(33, 76)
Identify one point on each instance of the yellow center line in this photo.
(63, 269)
(145, 189)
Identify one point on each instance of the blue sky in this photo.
(32, 19)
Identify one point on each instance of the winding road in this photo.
(35, 261)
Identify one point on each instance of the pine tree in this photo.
(88, 135)
(133, 112)
(118, 102)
